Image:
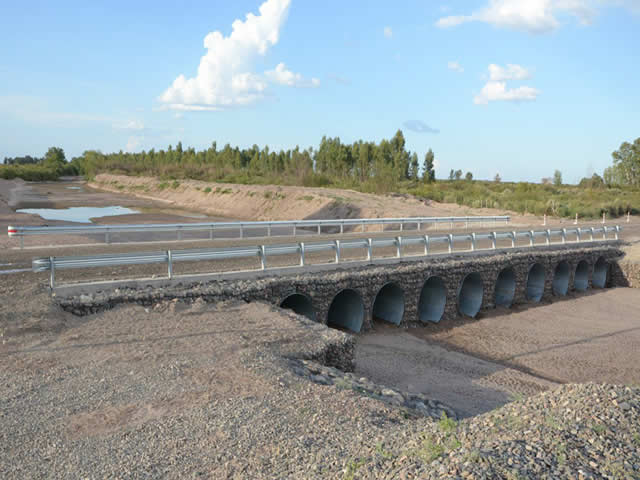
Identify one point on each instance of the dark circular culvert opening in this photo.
(346, 311)
(299, 303)
(433, 298)
(470, 295)
(561, 278)
(535, 283)
(600, 273)
(505, 287)
(581, 278)
(389, 304)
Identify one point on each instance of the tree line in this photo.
(368, 165)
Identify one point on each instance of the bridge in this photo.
(398, 291)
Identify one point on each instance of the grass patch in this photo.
(352, 468)
(207, 190)
(175, 184)
(162, 185)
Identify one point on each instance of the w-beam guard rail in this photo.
(169, 257)
(242, 227)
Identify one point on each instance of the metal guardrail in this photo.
(242, 227)
(169, 257)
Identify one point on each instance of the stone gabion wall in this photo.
(626, 274)
(410, 276)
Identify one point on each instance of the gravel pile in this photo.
(575, 431)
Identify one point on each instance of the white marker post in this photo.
(604, 217)
(575, 222)
(628, 215)
(544, 221)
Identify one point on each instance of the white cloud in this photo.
(282, 76)
(455, 66)
(496, 88)
(388, 33)
(533, 16)
(225, 77)
(511, 72)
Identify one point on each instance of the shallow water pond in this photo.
(78, 214)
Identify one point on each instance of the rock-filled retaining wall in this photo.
(320, 288)
(626, 274)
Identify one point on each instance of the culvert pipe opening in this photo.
(561, 279)
(535, 283)
(581, 278)
(470, 295)
(600, 273)
(301, 304)
(433, 298)
(505, 287)
(389, 304)
(346, 311)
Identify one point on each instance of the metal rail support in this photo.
(398, 247)
(450, 236)
(169, 264)
(301, 246)
(369, 249)
(263, 257)
(493, 240)
(531, 237)
(336, 244)
(52, 277)
(426, 245)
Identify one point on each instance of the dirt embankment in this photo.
(274, 202)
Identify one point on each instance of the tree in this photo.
(497, 178)
(55, 157)
(458, 174)
(626, 160)
(469, 176)
(429, 169)
(557, 178)
(413, 167)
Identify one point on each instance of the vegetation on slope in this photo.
(364, 166)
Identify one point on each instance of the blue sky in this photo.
(518, 88)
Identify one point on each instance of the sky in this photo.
(514, 87)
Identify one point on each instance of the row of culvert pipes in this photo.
(347, 310)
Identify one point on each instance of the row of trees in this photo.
(373, 166)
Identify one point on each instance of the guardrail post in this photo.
(341, 228)
(493, 240)
(426, 244)
(564, 235)
(263, 257)
(398, 247)
(336, 244)
(419, 226)
(107, 237)
(473, 241)
(450, 236)
(369, 249)
(401, 226)
(211, 233)
(604, 233)
(179, 233)
(531, 236)
(169, 264)
(578, 236)
(294, 229)
(241, 231)
(591, 232)
(548, 232)
(52, 276)
(301, 246)
(269, 230)
(617, 227)
(318, 229)
(513, 239)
